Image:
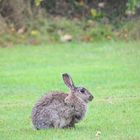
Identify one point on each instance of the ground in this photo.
(110, 70)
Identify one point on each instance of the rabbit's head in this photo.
(79, 92)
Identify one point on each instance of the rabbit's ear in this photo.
(68, 81)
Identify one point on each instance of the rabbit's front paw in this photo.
(78, 117)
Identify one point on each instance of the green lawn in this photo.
(110, 70)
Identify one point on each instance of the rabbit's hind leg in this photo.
(43, 125)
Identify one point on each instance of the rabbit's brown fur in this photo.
(51, 111)
(60, 110)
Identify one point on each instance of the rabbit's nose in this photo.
(91, 98)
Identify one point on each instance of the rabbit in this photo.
(61, 110)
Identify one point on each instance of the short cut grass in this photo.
(110, 70)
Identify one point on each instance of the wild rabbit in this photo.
(61, 110)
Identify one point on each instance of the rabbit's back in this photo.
(53, 97)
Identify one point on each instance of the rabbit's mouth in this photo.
(89, 99)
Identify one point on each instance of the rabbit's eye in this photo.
(82, 90)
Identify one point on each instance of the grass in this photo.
(111, 70)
